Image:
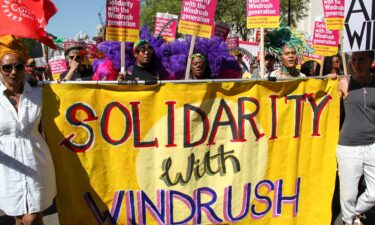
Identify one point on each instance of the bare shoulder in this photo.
(344, 86)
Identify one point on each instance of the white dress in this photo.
(27, 175)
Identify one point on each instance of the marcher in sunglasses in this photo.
(7, 68)
(143, 53)
(76, 71)
(27, 174)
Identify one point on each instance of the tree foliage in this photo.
(229, 11)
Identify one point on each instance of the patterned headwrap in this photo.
(198, 55)
(9, 44)
(138, 44)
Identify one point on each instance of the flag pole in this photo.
(192, 43)
(321, 66)
(262, 63)
(123, 58)
(343, 57)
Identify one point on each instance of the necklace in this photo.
(365, 93)
(293, 72)
(12, 97)
(12, 100)
(364, 88)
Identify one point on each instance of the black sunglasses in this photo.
(144, 50)
(76, 57)
(9, 67)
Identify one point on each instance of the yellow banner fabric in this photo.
(251, 152)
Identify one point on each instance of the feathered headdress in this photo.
(112, 52)
(215, 50)
(169, 59)
(275, 39)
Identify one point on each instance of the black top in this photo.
(142, 73)
(359, 124)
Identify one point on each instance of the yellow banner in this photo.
(325, 50)
(196, 29)
(263, 22)
(121, 34)
(334, 23)
(248, 152)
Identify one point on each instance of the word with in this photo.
(194, 165)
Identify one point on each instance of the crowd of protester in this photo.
(355, 152)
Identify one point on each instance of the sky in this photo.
(74, 16)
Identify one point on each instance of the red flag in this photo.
(26, 18)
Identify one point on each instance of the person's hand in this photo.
(120, 77)
(333, 76)
(73, 64)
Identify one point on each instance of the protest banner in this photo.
(122, 23)
(197, 17)
(166, 26)
(263, 13)
(359, 23)
(334, 14)
(325, 42)
(57, 66)
(198, 153)
(222, 30)
(233, 42)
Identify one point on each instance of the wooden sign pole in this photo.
(192, 43)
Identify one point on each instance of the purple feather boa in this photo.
(169, 59)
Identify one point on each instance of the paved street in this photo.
(51, 218)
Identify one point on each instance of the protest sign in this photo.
(325, 42)
(197, 17)
(204, 153)
(57, 66)
(233, 42)
(222, 30)
(334, 14)
(252, 48)
(122, 23)
(359, 23)
(166, 26)
(40, 62)
(263, 13)
(90, 51)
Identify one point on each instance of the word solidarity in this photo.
(235, 121)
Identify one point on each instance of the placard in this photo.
(197, 17)
(334, 14)
(166, 26)
(222, 30)
(263, 13)
(122, 22)
(325, 42)
(359, 25)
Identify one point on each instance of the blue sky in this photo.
(74, 16)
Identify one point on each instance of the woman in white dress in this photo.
(27, 177)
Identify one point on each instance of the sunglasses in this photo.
(77, 58)
(9, 67)
(30, 65)
(144, 50)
